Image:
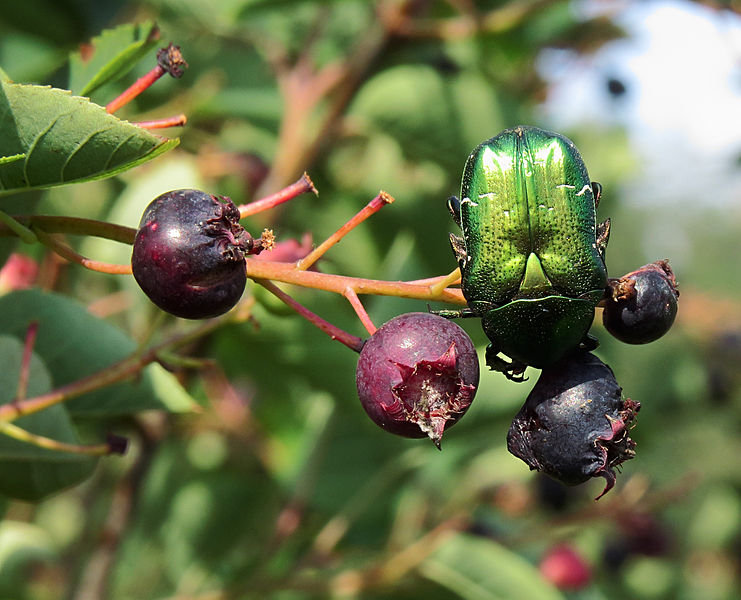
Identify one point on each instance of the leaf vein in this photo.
(79, 147)
(34, 143)
(121, 143)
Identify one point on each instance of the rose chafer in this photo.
(531, 253)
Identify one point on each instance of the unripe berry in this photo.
(565, 568)
(417, 375)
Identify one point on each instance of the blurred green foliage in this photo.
(279, 486)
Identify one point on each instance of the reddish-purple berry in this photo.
(565, 568)
(188, 255)
(641, 305)
(574, 424)
(417, 375)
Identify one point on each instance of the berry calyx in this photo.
(574, 424)
(188, 254)
(417, 375)
(642, 305)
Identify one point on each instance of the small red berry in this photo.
(18, 273)
(565, 568)
(417, 375)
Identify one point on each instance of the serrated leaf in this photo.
(110, 56)
(73, 344)
(66, 139)
(475, 568)
(28, 472)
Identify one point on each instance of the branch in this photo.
(114, 373)
(288, 273)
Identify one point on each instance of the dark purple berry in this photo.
(417, 375)
(641, 305)
(574, 424)
(189, 254)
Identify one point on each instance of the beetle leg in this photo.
(458, 245)
(597, 192)
(512, 370)
(455, 313)
(603, 236)
(589, 343)
(454, 206)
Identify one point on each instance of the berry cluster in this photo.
(417, 375)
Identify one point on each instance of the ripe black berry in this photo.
(574, 424)
(417, 375)
(642, 305)
(189, 254)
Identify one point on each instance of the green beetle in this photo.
(532, 254)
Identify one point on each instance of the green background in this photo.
(278, 486)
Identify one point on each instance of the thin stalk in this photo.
(351, 341)
(302, 186)
(357, 305)
(73, 226)
(369, 209)
(115, 446)
(112, 374)
(452, 277)
(68, 253)
(135, 89)
(169, 60)
(18, 228)
(174, 121)
(431, 280)
(25, 369)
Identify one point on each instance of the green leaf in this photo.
(110, 56)
(73, 344)
(414, 105)
(28, 472)
(475, 568)
(66, 139)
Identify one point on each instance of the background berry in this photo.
(565, 568)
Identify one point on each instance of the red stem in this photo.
(351, 341)
(357, 305)
(369, 209)
(174, 121)
(25, 371)
(135, 89)
(303, 185)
